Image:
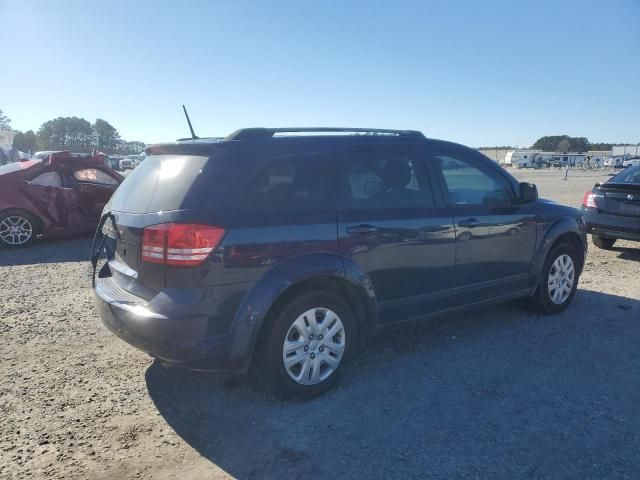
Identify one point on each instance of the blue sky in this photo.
(476, 72)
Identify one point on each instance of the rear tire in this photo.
(557, 285)
(17, 229)
(298, 336)
(604, 243)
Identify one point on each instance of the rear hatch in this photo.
(165, 188)
(619, 199)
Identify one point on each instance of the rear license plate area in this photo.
(127, 253)
(629, 208)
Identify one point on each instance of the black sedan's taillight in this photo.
(589, 200)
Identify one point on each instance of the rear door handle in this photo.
(362, 229)
(469, 222)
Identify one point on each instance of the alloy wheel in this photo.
(15, 230)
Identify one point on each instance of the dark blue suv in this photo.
(283, 249)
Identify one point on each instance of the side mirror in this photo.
(528, 192)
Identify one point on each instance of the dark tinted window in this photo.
(385, 178)
(47, 179)
(468, 182)
(160, 183)
(300, 182)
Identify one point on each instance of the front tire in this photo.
(604, 243)
(308, 342)
(559, 280)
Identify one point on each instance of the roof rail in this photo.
(263, 133)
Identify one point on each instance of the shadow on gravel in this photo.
(48, 251)
(500, 393)
(628, 253)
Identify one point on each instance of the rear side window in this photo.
(292, 183)
(386, 178)
(48, 179)
(160, 183)
(93, 175)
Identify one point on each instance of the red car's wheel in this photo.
(17, 229)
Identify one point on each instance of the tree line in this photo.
(562, 143)
(565, 143)
(74, 134)
(79, 135)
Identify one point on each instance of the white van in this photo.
(631, 162)
(126, 164)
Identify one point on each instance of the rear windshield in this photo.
(630, 175)
(160, 183)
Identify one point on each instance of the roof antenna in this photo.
(193, 134)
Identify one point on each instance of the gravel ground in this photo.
(500, 393)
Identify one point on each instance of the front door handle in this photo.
(362, 229)
(469, 222)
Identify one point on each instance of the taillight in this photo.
(154, 243)
(589, 200)
(179, 244)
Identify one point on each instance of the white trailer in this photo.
(625, 151)
(520, 158)
(616, 161)
(597, 157)
(543, 159)
(568, 159)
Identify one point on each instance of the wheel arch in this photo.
(575, 241)
(566, 230)
(319, 271)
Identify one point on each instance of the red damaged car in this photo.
(59, 196)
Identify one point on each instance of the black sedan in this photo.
(612, 209)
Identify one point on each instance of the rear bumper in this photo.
(612, 226)
(175, 337)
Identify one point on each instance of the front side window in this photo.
(48, 179)
(467, 182)
(391, 178)
(292, 183)
(93, 175)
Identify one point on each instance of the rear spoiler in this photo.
(201, 148)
